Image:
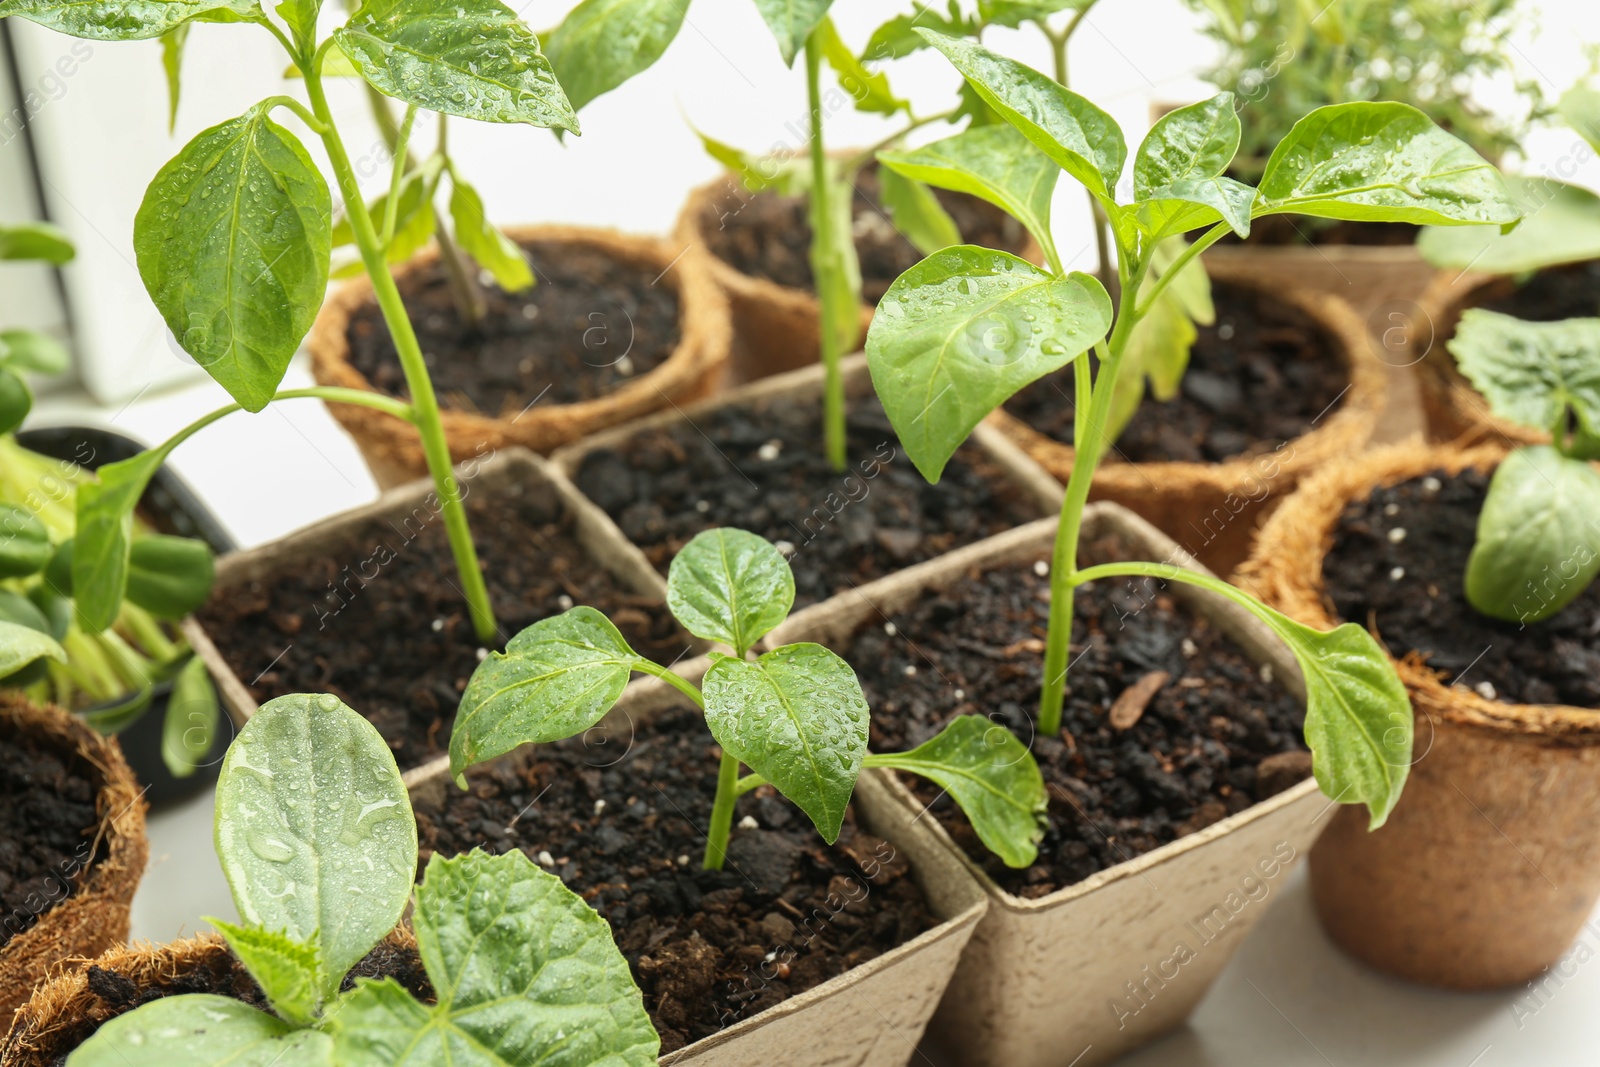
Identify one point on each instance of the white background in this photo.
(1288, 998)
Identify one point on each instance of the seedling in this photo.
(315, 833)
(967, 327)
(110, 675)
(795, 716)
(234, 235)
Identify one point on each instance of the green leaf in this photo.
(119, 20)
(1538, 543)
(792, 21)
(117, 716)
(16, 400)
(525, 972)
(56, 609)
(797, 717)
(172, 43)
(994, 163)
(555, 679)
(414, 221)
(19, 610)
(868, 90)
(898, 37)
(1580, 106)
(1535, 373)
(731, 586)
(202, 1030)
(31, 350)
(24, 542)
(472, 58)
(1181, 163)
(301, 18)
(1381, 162)
(916, 212)
(103, 544)
(42, 241)
(287, 970)
(21, 645)
(1085, 141)
(493, 250)
(1014, 13)
(314, 830)
(1157, 353)
(170, 577)
(233, 240)
(1561, 224)
(191, 722)
(788, 175)
(335, 64)
(991, 775)
(961, 331)
(603, 43)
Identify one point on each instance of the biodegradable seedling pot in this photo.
(1101, 967)
(393, 449)
(402, 515)
(872, 1015)
(1490, 864)
(1214, 509)
(94, 915)
(66, 1011)
(821, 522)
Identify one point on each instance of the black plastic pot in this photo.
(171, 507)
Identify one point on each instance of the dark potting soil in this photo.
(1567, 292)
(220, 974)
(1279, 231)
(761, 468)
(618, 817)
(1410, 591)
(382, 625)
(768, 235)
(47, 837)
(1263, 374)
(1193, 756)
(589, 324)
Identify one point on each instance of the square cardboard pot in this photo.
(1099, 968)
(407, 511)
(870, 1016)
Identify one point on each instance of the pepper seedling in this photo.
(963, 330)
(795, 715)
(233, 237)
(111, 675)
(315, 833)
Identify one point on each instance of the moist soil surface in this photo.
(1193, 756)
(1411, 592)
(1568, 292)
(768, 235)
(47, 836)
(617, 814)
(383, 626)
(761, 468)
(1260, 376)
(590, 323)
(219, 973)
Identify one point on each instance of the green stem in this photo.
(1205, 241)
(90, 668)
(722, 814)
(824, 258)
(671, 679)
(147, 633)
(1169, 572)
(1083, 396)
(331, 393)
(754, 781)
(401, 153)
(1064, 557)
(424, 402)
(317, 125)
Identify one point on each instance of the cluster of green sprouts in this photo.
(795, 715)
(315, 833)
(963, 330)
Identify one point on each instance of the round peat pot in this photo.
(66, 887)
(1490, 864)
(758, 250)
(172, 507)
(1283, 382)
(1170, 835)
(797, 953)
(66, 1011)
(1457, 412)
(615, 327)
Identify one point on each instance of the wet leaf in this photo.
(603, 43)
(493, 250)
(731, 586)
(1543, 375)
(286, 970)
(1561, 224)
(120, 20)
(792, 21)
(202, 1030)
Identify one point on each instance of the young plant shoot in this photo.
(234, 235)
(315, 834)
(967, 327)
(795, 716)
(109, 675)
